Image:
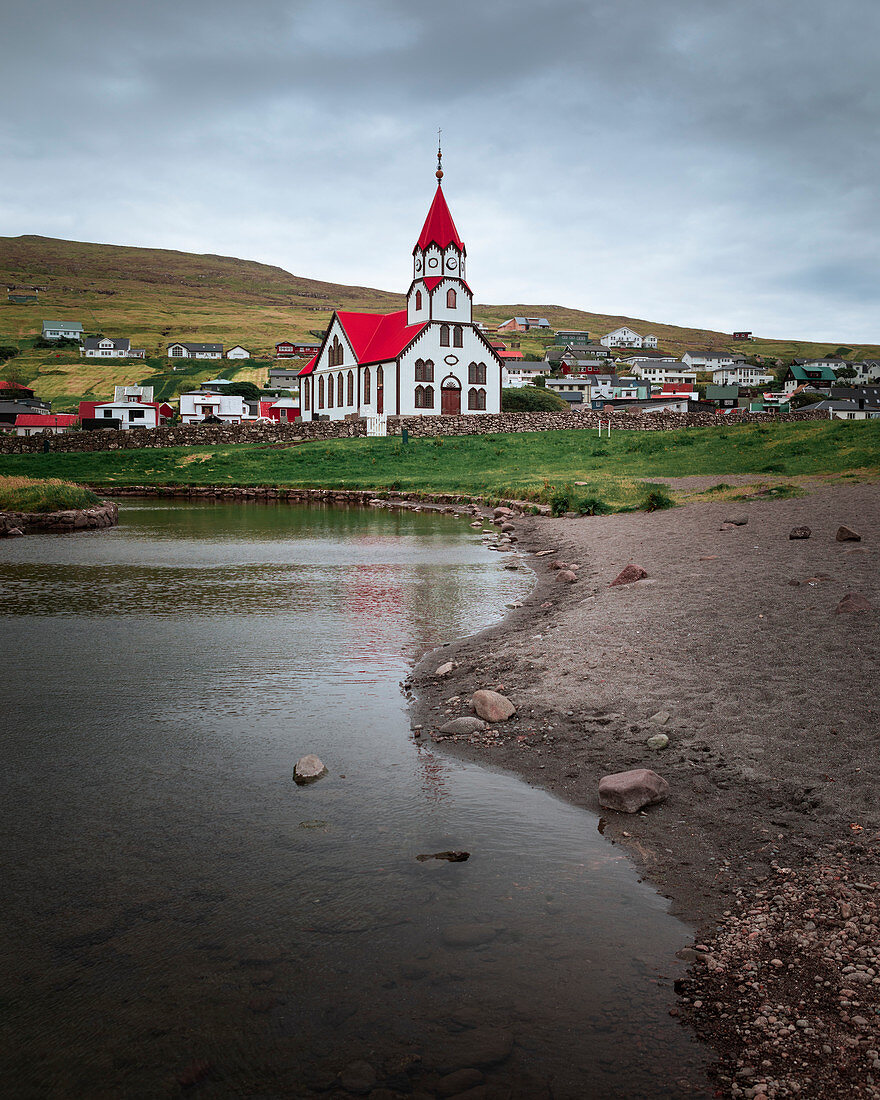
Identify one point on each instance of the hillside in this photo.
(153, 295)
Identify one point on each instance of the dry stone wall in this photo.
(105, 514)
(200, 435)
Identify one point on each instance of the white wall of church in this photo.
(450, 363)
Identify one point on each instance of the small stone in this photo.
(660, 718)
(358, 1077)
(846, 534)
(12, 532)
(657, 742)
(799, 533)
(628, 575)
(566, 576)
(629, 791)
(465, 725)
(308, 769)
(445, 669)
(852, 601)
(737, 521)
(492, 706)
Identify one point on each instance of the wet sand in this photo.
(772, 700)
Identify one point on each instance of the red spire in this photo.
(439, 228)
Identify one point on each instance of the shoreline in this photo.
(733, 647)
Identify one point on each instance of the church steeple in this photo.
(439, 256)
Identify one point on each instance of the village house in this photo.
(625, 337)
(723, 397)
(646, 356)
(203, 404)
(131, 407)
(523, 324)
(282, 377)
(53, 424)
(664, 371)
(741, 374)
(238, 352)
(712, 360)
(290, 349)
(428, 359)
(571, 338)
(283, 411)
(517, 375)
(181, 350)
(17, 400)
(817, 375)
(109, 347)
(62, 330)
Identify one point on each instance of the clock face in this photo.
(432, 262)
(452, 263)
(418, 265)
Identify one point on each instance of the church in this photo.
(429, 359)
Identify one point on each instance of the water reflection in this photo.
(174, 901)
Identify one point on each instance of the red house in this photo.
(287, 349)
(282, 411)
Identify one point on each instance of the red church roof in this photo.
(375, 337)
(439, 227)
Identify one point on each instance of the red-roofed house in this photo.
(427, 359)
(53, 424)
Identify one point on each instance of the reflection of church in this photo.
(427, 359)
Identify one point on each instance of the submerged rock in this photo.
(308, 769)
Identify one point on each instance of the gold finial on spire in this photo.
(439, 172)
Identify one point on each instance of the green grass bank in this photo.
(34, 495)
(539, 466)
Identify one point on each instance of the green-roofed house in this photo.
(62, 330)
(723, 397)
(817, 375)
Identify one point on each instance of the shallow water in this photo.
(175, 904)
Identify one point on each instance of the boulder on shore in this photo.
(799, 533)
(466, 725)
(628, 575)
(308, 769)
(846, 534)
(628, 792)
(492, 706)
(566, 576)
(852, 601)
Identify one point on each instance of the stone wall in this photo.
(105, 514)
(201, 435)
(183, 435)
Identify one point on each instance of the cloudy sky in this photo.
(699, 162)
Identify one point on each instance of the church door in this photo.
(450, 402)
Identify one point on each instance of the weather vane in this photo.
(439, 172)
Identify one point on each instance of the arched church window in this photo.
(450, 298)
(380, 377)
(419, 397)
(321, 392)
(350, 388)
(476, 399)
(457, 337)
(329, 391)
(366, 385)
(477, 374)
(340, 390)
(429, 397)
(444, 336)
(418, 299)
(306, 387)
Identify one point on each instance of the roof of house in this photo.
(62, 324)
(813, 373)
(678, 387)
(721, 393)
(53, 420)
(439, 228)
(17, 387)
(120, 343)
(838, 406)
(195, 347)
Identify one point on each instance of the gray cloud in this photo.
(672, 159)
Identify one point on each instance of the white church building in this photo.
(429, 359)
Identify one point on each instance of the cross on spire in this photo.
(439, 172)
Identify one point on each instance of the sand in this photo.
(772, 696)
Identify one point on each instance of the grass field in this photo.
(25, 494)
(539, 466)
(157, 295)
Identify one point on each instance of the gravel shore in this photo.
(734, 648)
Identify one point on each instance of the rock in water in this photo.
(450, 857)
(846, 534)
(629, 575)
(492, 706)
(799, 533)
(465, 725)
(852, 601)
(308, 769)
(628, 792)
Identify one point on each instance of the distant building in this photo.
(664, 371)
(283, 411)
(524, 324)
(741, 374)
(181, 350)
(52, 424)
(131, 407)
(516, 375)
(62, 330)
(16, 400)
(571, 338)
(202, 404)
(818, 376)
(22, 293)
(238, 352)
(290, 349)
(712, 360)
(283, 377)
(625, 337)
(723, 397)
(742, 336)
(107, 347)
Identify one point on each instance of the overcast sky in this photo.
(699, 162)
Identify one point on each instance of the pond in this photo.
(179, 913)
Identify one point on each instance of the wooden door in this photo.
(450, 402)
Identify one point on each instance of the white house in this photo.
(645, 357)
(711, 360)
(426, 360)
(664, 372)
(194, 407)
(131, 414)
(626, 337)
(109, 347)
(179, 350)
(517, 375)
(741, 374)
(62, 330)
(238, 352)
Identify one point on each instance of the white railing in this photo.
(377, 425)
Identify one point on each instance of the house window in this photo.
(444, 336)
(366, 385)
(457, 337)
(476, 399)
(108, 412)
(321, 392)
(136, 414)
(340, 390)
(424, 370)
(450, 299)
(477, 374)
(350, 388)
(177, 351)
(418, 299)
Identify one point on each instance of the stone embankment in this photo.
(207, 435)
(105, 514)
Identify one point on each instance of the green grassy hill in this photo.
(157, 295)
